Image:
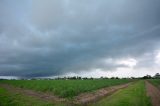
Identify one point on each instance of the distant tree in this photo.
(112, 78)
(2, 79)
(101, 77)
(116, 78)
(133, 78)
(79, 78)
(157, 75)
(85, 78)
(147, 77)
(73, 78)
(105, 78)
(58, 78)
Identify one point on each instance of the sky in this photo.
(89, 38)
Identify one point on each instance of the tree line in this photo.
(156, 76)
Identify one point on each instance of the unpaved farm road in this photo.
(154, 93)
(82, 99)
(92, 97)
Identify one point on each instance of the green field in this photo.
(8, 98)
(65, 88)
(155, 82)
(134, 95)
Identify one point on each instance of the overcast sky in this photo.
(47, 38)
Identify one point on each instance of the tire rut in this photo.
(154, 93)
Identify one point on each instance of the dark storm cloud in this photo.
(54, 37)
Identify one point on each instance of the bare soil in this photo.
(92, 97)
(154, 93)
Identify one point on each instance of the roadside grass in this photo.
(155, 82)
(65, 88)
(8, 98)
(134, 95)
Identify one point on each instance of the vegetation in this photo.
(65, 88)
(134, 95)
(155, 82)
(156, 76)
(8, 98)
(68, 87)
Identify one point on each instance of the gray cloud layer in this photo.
(54, 37)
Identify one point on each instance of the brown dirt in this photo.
(92, 97)
(154, 93)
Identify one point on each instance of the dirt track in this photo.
(154, 93)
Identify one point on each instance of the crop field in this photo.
(99, 92)
(65, 88)
(8, 98)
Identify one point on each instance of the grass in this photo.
(65, 88)
(134, 95)
(8, 98)
(155, 82)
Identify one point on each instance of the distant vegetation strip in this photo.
(134, 95)
(65, 88)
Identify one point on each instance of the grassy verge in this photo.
(65, 88)
(14, 99)
(134, 95)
